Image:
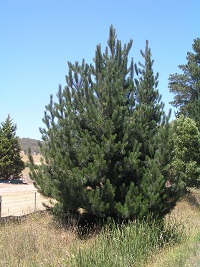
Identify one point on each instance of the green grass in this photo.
(185, 254)
(129, 245)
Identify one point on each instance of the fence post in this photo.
(0, 205)
(35, 201)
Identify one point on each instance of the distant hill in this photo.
(28, 142)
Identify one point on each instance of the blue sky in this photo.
(39, 37)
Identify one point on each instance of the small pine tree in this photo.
(103, 148)
(11, 163)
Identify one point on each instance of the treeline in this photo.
(27, 143)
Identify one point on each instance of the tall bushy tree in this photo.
(186, 160)
(103, 145)
(10, 159)
(186, 86)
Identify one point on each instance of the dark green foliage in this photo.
(186, 86)
(103, 143)
(11, 163)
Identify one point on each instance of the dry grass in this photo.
(185, 254)
(36, 158)
(37, 241)
(187, 212)
(26, 171)
(40, 241)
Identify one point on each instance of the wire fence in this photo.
(19, 204)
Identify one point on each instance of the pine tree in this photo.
(11, 163)
(103, 149)
(186, 86)
(152, 128)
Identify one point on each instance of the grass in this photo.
(36, 158)
(37, 241)
(129, 245)
(41, 241)
(186, 253)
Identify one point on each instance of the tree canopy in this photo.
(187, 151)
(186, 86)
(103, 148)
(11, 163)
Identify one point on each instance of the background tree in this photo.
(186, 86)
(103, 146)
(27, 143)
(187, 151)
(10, 159)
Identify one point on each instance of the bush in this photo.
(187, 152)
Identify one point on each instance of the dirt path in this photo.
(20, 199)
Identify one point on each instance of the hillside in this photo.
(28, 142)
